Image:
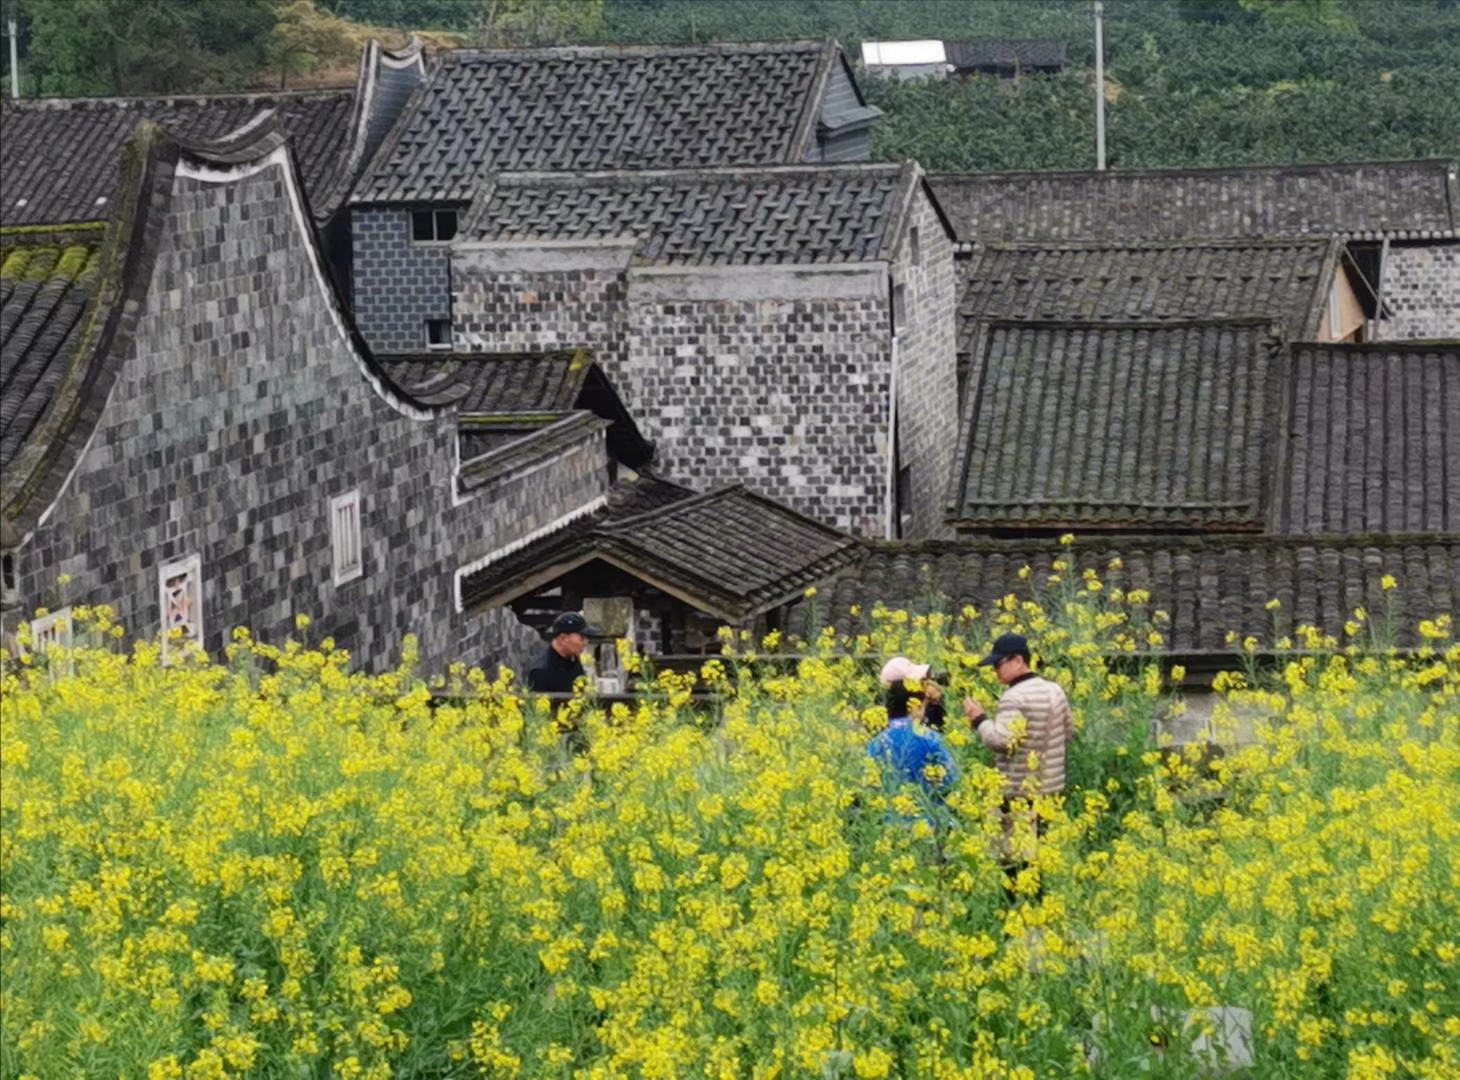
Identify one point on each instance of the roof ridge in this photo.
(639, 48)
(1188, 170)
(698, 499)
(1157, 243)
(121, 100)
(1406, 345)
(528, 177)
(1130, 324)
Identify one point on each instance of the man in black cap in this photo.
(559, 666)
(1030, 726)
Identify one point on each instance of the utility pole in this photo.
(14, 61)
(1099, 85)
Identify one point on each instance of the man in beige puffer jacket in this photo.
(1030, 726)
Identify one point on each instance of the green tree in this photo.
(146, 46)
(303, 36)
(1327, 13)
(506, 23)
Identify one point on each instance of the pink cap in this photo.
(900, 669)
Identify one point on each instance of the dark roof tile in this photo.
(1024, 53)
(1208, 586)
(1118, 425)
(730, 552)
(598, 107)
(492, 382)
(45, 295)
(1399, 199)
(1282, 280)
(59, 158)
(1374, 439)
(791, 214)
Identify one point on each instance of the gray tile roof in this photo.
(1285, 281)
(1400, 199)
(1026, 53)
(46, 292)
(60, 158)
(1118, 425)
(1207, 585)
(730, 552)
(790, 214)
(1374, 439)
(544, 437)
(599, 107)
(503, 398)
(491, 382)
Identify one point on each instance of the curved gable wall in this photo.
(241, 410)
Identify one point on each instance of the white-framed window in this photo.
(345, 536)
(433, 226)
(180, 596)
(51, 631)
(438, 333)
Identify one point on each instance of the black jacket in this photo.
(553, 673)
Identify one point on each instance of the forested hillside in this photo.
(1188, 82)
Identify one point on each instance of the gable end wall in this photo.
(242, 412)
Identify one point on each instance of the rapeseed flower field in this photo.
(271, 866)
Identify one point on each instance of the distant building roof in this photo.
(731, 553)
(1285, 281)
(1398, 199)
(1209, 586)
(897, 53)
(1374, 439)
(600, 107)
(1118, 426)
(60, 157)
(788, 214)
(1030, 54)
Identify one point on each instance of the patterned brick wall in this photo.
(927, 401)
(1422, 289)
(788, 396)
(539, 311)
(242, 412)
(398, 284)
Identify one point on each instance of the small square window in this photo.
(345, 537)
(180, 596)
(438, 333)
(433, 226)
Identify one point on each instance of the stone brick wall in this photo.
(398, 283)
(1422, 289)
(927, 400)
(242, 413)
(787, 396)
(538, 311)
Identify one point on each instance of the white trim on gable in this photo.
(470, 568)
